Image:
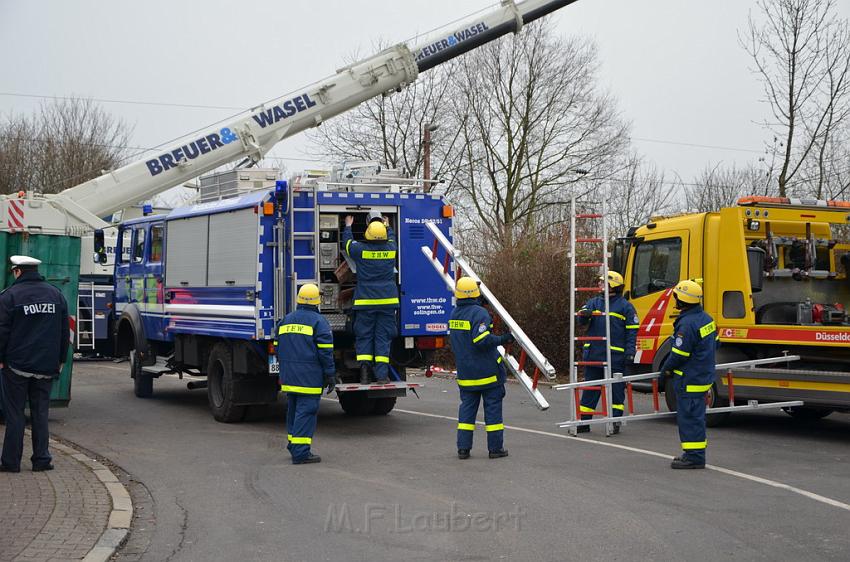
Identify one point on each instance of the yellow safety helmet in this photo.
(614, 279)
(688, 291)
(376, 231)
(309, 294)
(467, 288)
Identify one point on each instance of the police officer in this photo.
(306, 356)
(34, 341)
(624, 325)
(375, 297)
(480, 372)
(691, 365)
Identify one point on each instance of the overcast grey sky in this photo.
(674, 65)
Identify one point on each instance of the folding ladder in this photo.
(600, 241)
(453, 267)
(629, 414)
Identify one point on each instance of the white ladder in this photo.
(450, 269)
(85, 322)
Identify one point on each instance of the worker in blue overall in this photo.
(691, 366)
(480, 372)
(306, 355)
(34, 341)
(375, 297)
(624, 325)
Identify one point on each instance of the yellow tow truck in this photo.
(775, 279)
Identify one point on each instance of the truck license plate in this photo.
(274, 366)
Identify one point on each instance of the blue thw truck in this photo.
(201, 290)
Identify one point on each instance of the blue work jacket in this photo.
(624, 328)
(692, 358)
(305, 351)
(376, 286)
(478, 362)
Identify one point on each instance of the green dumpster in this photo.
(60, 265)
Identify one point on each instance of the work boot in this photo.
(616, 429)
(4, 468)
(680, 463)
(364, 373)
(42, 467)
(582, 429)
(498, 454)
(463, 454)
(383, 381)
(312, 459)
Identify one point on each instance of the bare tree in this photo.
(65, 143)
(529, 114)
(388, 129)
(802, 54)
(720, 186)
(639, 192)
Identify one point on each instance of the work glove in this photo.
(330, 384)
(584, 313)
(630, 365)
(508, 338)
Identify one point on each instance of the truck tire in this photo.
(142, 383)
(712, 400)
(355, 403)
(382, 406)
(807, 413)
(220, 383)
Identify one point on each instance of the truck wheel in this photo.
(142, 383)
(807, 413)
(220, 385)
(382, 406)
(712, 400)
(355, 403)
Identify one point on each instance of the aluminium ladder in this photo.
(603, 387)
(516, 366)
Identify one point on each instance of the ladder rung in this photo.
(590, 264)
(588, 289)
(589, 216)
(591, 363)
(590, 338)
(588, 239)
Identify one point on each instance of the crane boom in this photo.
(253, 133)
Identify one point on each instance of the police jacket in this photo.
(305, 351)
(692, 359)
(376, 286)
(478, 362)
(34, 330)
(624, 327)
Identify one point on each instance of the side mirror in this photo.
(99, 247)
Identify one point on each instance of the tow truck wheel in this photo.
(220, 385)
(712, 400)
(807, 413)
(142, 383)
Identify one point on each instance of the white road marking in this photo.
(742, 475)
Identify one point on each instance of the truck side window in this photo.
(139, 247)
(656, 266)
(126, 244)
(156, 243)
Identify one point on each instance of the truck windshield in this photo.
(656, 266)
